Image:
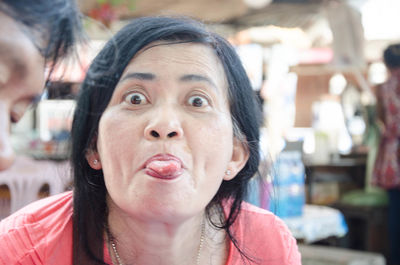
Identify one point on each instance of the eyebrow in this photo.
(184, 78)
(140, 76)
(197, 78)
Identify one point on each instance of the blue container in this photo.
(288, 198)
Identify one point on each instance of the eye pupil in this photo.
(136, 99)
(197, 102)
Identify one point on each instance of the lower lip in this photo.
(154, 174)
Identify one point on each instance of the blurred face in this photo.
(165, 140)
(21, 80)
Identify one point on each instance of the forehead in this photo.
(11, 31)
(15, 36)
(20, 56)
(179, 58)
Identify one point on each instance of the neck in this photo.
(143, 242)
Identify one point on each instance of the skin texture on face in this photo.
(21, 80)
(171, 100)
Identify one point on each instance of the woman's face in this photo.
(165, 140)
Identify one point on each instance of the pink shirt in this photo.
(41, 233)
(386, 173)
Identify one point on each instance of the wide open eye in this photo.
(198, 101)
(135, 98)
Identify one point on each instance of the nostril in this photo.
(172, 134)
(155, 134)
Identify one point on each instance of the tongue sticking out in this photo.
(165, 168)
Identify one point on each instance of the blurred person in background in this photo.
(34, 35)
(387, 165)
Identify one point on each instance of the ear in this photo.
(93, 160)
(240, 155)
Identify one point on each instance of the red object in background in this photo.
(104, 13)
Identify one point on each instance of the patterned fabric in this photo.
(387, 164)
(41, 234)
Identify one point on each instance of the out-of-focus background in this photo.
(314, 65)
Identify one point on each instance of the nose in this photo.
(7, 155)
(165, 124)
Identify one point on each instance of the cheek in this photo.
(5, 74)
(34, 80)
(215, 142)
(116, 131)
(37, 82)
(116, 142)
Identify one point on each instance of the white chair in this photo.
(26, 177)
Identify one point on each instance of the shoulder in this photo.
(248, 209)
(45, 212)
(257, 221)
(34, 232)
(265, 237)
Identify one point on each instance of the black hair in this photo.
(90, 208)
(54, 26)
(391, 56)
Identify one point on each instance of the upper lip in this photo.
(163, 157)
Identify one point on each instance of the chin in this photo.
(165, 212)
